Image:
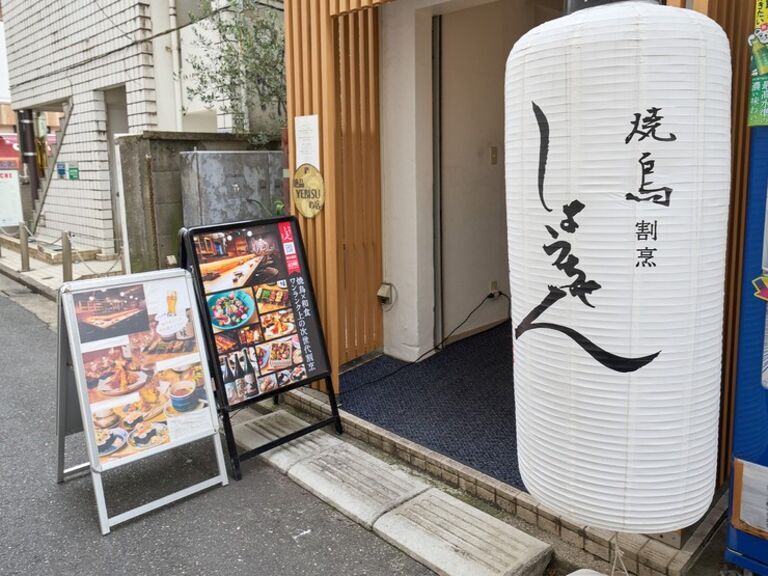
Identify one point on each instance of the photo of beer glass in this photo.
(171, 299)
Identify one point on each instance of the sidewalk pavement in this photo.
(46, 278)
(263, 524)
(411, 512)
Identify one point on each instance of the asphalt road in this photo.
(262, 525)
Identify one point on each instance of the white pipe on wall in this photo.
(176, 58)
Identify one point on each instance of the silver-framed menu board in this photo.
(137, 355)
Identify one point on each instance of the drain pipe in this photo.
(28, 152)
(176, 58)
(574, 5)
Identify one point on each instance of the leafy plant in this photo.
(240, 67)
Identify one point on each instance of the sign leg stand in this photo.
(334, 406)
(234, 458)
(101, 503)
(60, 432)
(220, 460)
(61, 410)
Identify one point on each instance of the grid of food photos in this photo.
(254, 323)
(143, 372)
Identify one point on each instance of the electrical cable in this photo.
(115, 24)
(439, 346)
(61, 71)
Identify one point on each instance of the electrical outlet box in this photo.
(384, 294)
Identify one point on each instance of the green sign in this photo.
(758, 42)
(73, 172)
(758, 101)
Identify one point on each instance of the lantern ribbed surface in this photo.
(617, 375)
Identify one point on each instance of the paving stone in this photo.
(657, 555)
(572, 537)
(599, 536)
(631, 544)
(258, 431)
(548, 525)
(600, 550)
(455, 539)
(679, 563)
(356, 483)
(527, 515)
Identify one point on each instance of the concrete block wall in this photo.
(152, 185)
(72, 51)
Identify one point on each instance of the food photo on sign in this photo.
(146, 386)
(255, 299)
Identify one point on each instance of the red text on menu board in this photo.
(289, 248)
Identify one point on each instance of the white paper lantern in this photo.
(618, 175)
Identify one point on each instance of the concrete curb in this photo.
(642, 554)
(31, 283)
(438, 529)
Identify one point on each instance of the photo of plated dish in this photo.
(279, 354)
(250, 334)
(277, 324)
(267, 383)
(271, 297)
(110, 441)
(225, 343)
(122, 381)
(148, 435)
(231, 309)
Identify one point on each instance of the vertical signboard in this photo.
(10, 191)
(748, 515)
(140, 368)
(255, 292)
(758, 43)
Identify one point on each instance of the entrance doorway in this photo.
(471, 48)
(442, 140)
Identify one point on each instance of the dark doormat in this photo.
(460, 402)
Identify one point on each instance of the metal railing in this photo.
(69, 254)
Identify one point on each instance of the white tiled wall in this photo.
(59, 50)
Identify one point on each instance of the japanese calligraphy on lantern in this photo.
(646, 127)
(580, 286)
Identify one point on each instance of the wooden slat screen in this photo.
(360, 179)
(339, 7)
(310, 74)
(332, 70)
(737, 17)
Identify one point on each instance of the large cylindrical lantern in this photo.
(618, 175)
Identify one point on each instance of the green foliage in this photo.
(241, 65)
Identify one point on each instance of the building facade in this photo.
(409, 98)
(108, 68)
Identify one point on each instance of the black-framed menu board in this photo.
(254, 287)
